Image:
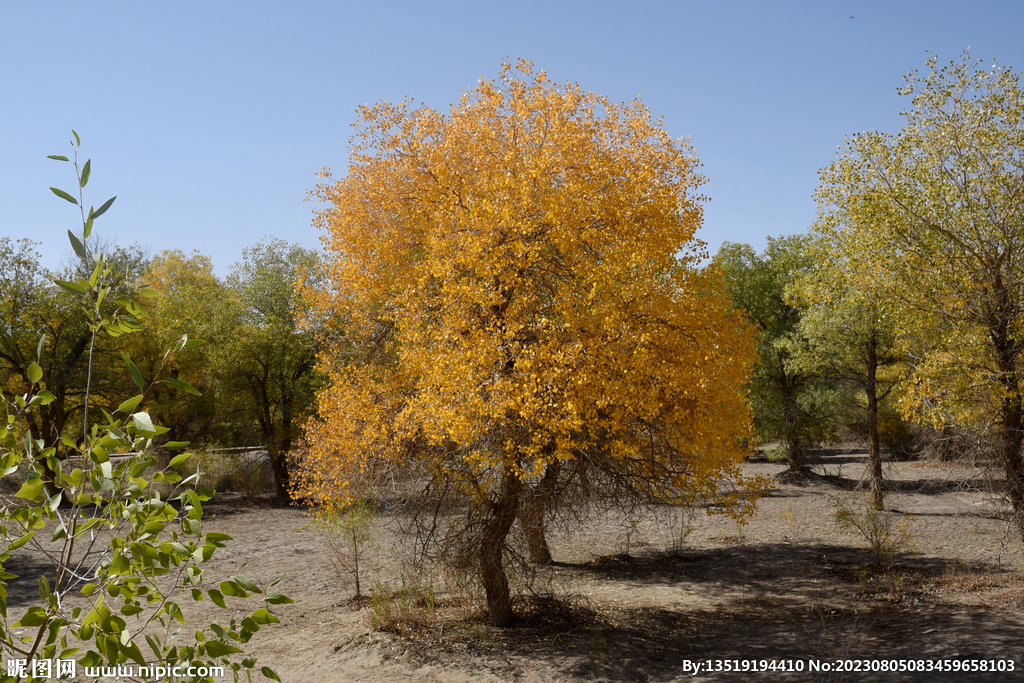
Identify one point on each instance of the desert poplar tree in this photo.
(847, 334)
(935, 214)
(513, 285)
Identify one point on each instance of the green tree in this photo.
(846, 333)
(269, 357)
(790, 401)
(936, 213)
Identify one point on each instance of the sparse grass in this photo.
(795, 522)
(409, 607)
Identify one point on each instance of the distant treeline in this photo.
(254, 374)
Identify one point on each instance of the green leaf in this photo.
(154, 645)
(269, 673)
(192, 342)
(146, 291)
(45, 397)
(247, 584)
(33, 372)
(88, 589)
(91, 658)
(215, 537)
(57, 157)
(72, 287)
(77, 139)
(131, 650)
(103, 207)
(21, 541)
(31, 489)
(87, 229)
(216, 648)
(262, 616)
(64, 195)
(278, 599)
(175, 445)
(77, 245)
(178, 459)
(39, 346)
(233, 589)
(133, 370)
(129, 405)
(181, 386)
(86, 170)
(217, 597)
(35, 616)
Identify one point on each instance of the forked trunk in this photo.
(503, 514)
(534, 511)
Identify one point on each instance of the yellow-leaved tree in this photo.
(512, 286)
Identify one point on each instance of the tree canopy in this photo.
(790, 401)
(846, 334)
(268, 361)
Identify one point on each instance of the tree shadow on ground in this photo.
(28, 565)
(755, 602)
(922, 486)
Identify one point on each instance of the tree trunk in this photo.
(534, 509)
(875, 453)
(1012, 413)
(794, 449)
(281, 474)
(279, 465)
(276, 450)
(503, 514)
(1013, 417)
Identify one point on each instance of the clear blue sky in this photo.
(209, 120)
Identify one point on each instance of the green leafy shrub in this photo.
(123, 554)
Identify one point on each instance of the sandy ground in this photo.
(629, 602)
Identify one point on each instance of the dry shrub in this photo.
(349, 536)
(235, 470)
(886, 533)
